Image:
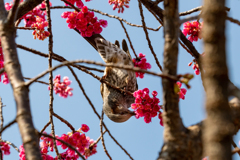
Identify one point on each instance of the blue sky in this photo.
(141, 140)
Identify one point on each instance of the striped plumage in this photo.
(115, 103)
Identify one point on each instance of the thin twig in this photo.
(185, 47)
(102, 139)
(42, 131)
(196, 10)
(50, 49)
(233, 20)
(157, 18)
(8, 125)
(45, 127)
(36, 81)
(125, 30)
(99, 138)
(1, 116)
(121, 19)
(58, 7)
(136, 69)
(13, 145)
(236, 147)
(191, 11)
(67, 144)
(64, 121)
(25, 28)
(236, 150)
(147, 37)
(181, 21)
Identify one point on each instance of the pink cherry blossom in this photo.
(80, 141)
(181, 91)
(5, 148)
(119, 4)
(145, 106)
(85, 128)
(84, 21)
(62, 88)
(141, 62)
(195, 66)
(193, 30)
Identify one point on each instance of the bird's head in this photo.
(120, 116)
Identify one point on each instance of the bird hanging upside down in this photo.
(115, 102)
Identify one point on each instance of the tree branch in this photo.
(173, 127)
(136, 69)
(27, 6)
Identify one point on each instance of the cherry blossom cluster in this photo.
(195, 67)
(119, 4)
(5, 148)
(43, 153)
(193, 30)
(145, 106)
(84, 21)
(79, 3)
(35, 19)
(44, 144)
(180, 91)
(4, 74)
(78, 140)
(62, 88)
(141, 62)
(39, 31)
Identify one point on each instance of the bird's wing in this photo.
(109, 52)
(125, 48)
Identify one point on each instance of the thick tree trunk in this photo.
(218, 126)
(20, 91)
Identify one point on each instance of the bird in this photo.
(115, 102)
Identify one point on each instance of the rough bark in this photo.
(219, 128)
(20, 91)
(173, 147)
